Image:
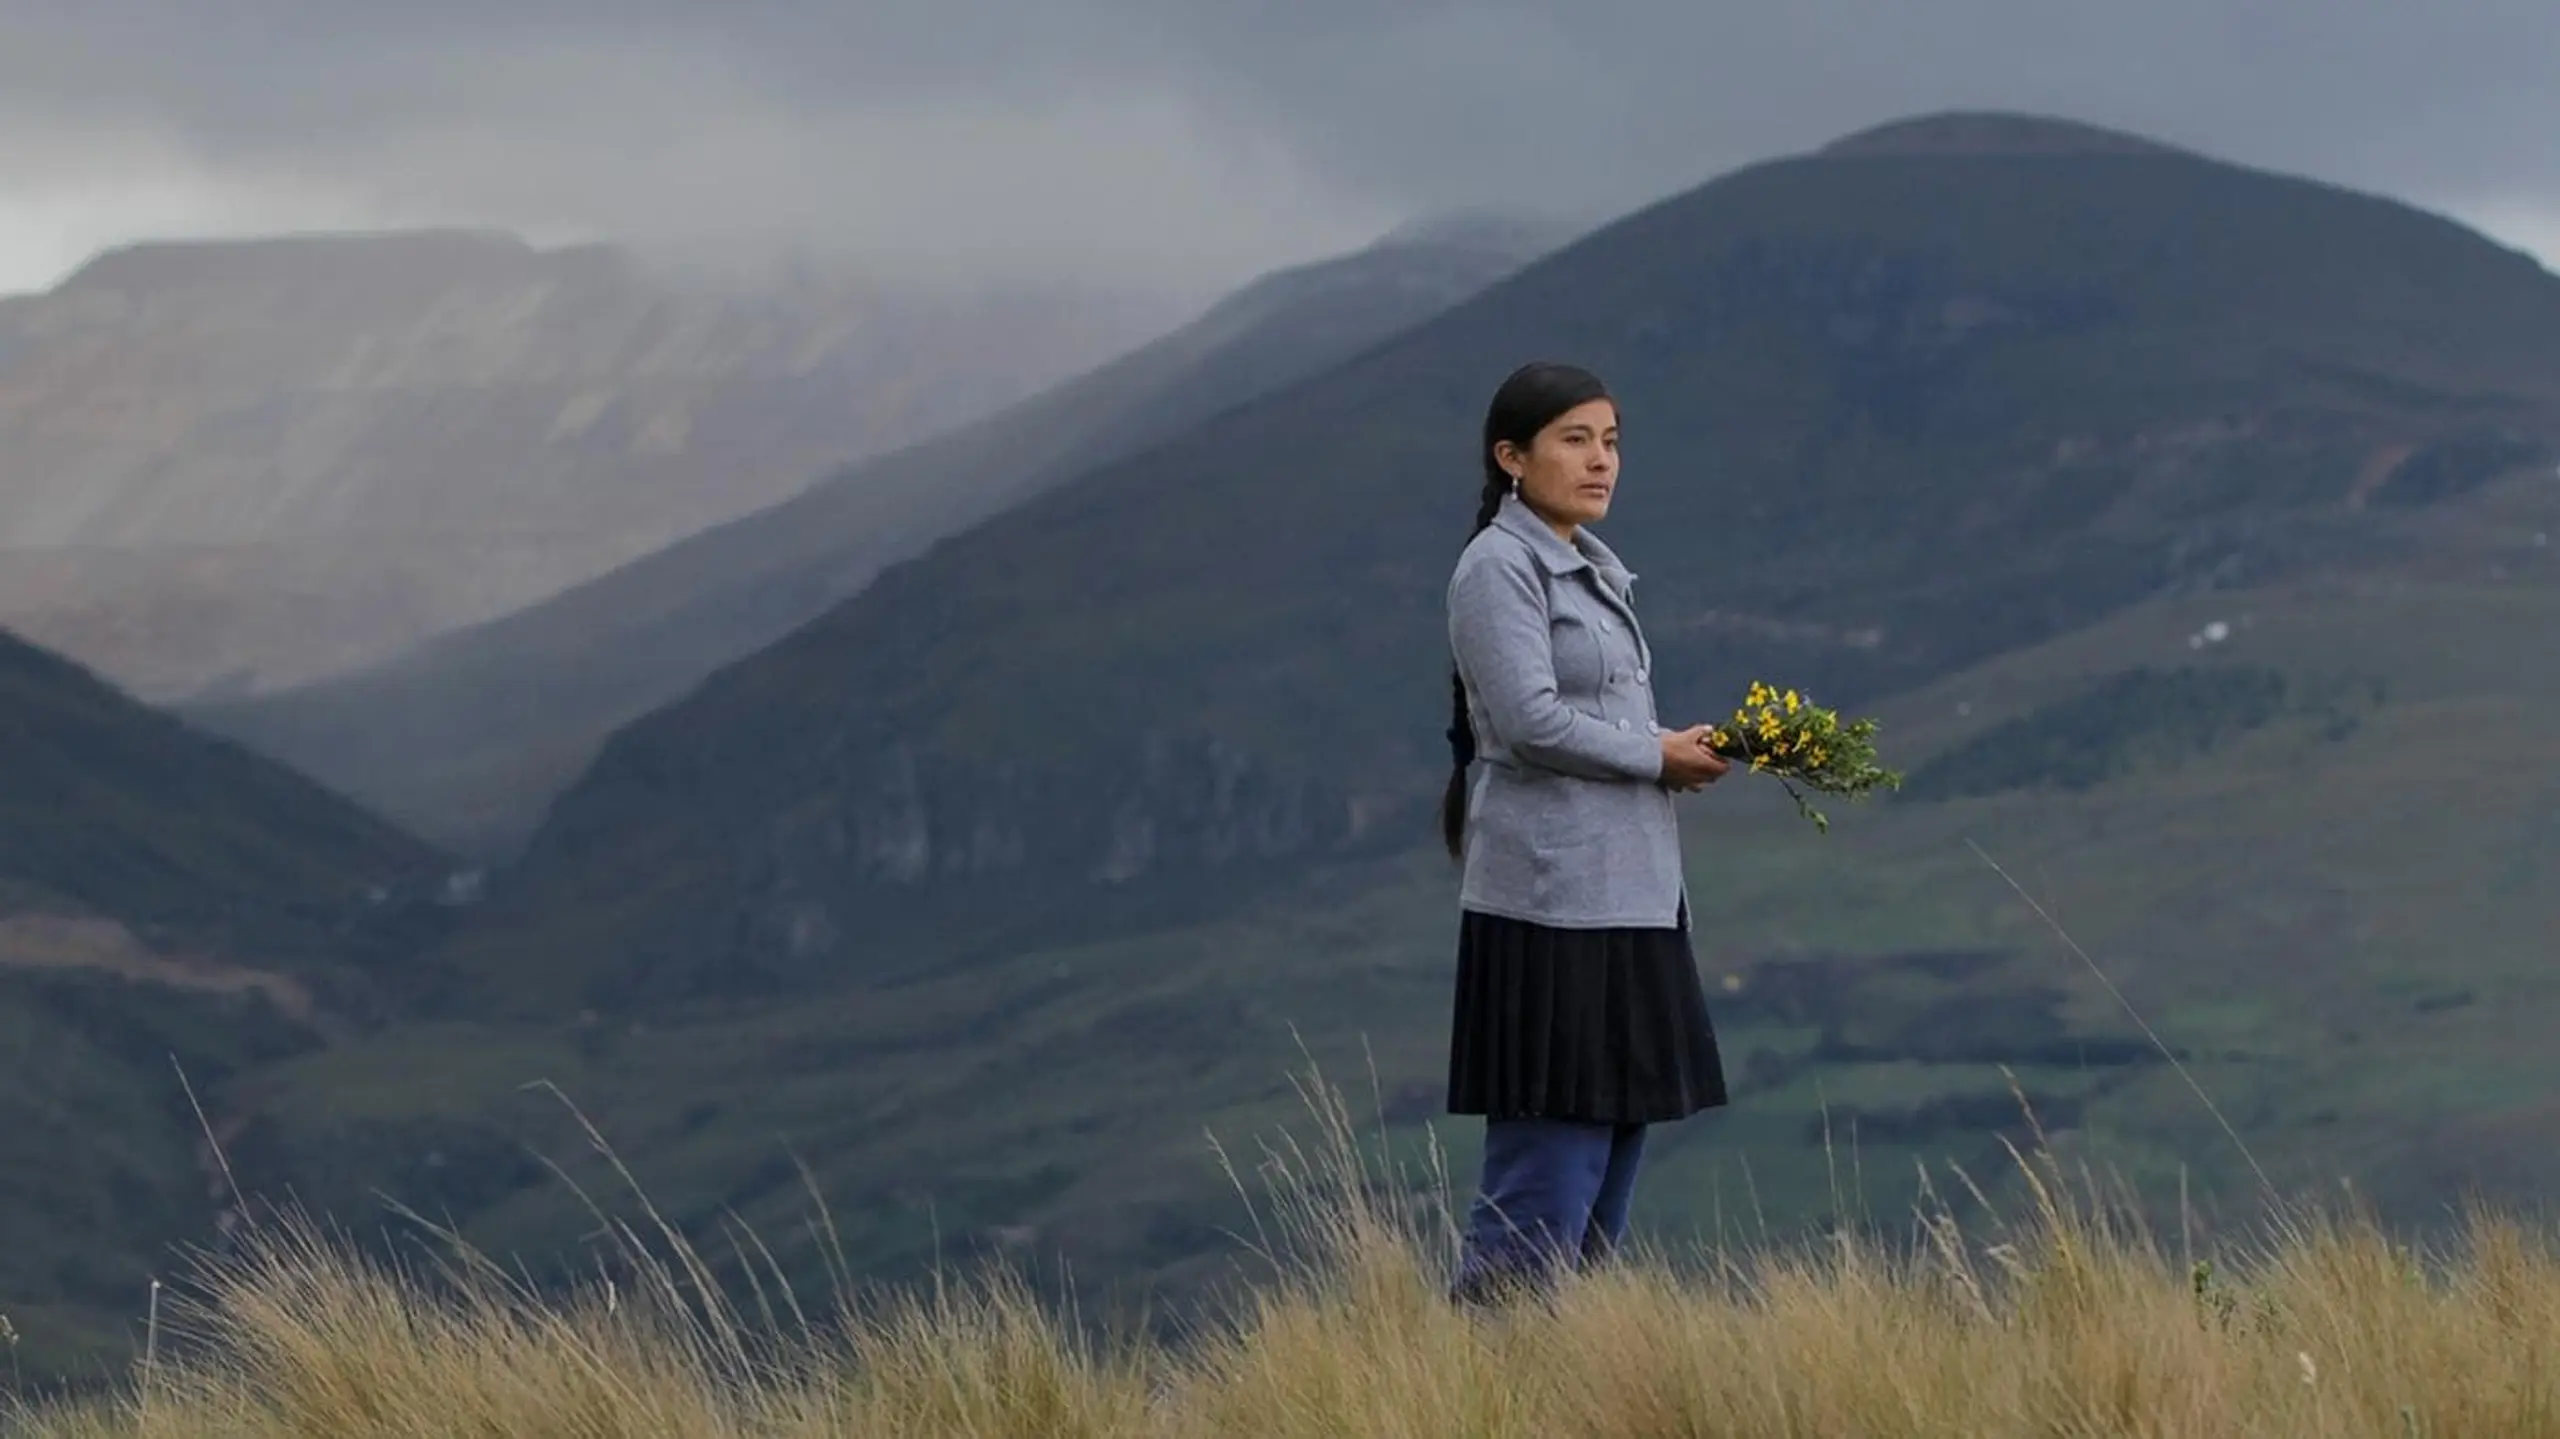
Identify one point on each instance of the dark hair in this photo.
(1526, 403)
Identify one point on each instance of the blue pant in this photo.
(1554, 1196)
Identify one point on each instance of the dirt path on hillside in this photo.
(2378, 469)
(73, 942)
(103, 946)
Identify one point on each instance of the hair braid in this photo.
(1462, 731)
(1526, 403)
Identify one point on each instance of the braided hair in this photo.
(1529, 401)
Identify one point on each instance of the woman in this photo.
(1579, 1017)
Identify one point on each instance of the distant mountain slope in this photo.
(1887, 415)
(169, 904)
(111, 808)
(467, 738)
(251, 462)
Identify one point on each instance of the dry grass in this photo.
(2071, 1321)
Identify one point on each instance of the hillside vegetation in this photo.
(2348, 945)
(169, 905)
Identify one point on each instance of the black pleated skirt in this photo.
(1600, 1026)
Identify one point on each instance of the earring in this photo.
(1515, 485)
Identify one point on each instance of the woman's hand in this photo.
(1687, 763)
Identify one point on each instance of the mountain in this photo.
(239, 464)
(469, 736)
(1891, 410)
(169, 904)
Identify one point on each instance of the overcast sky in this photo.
(1196, 140)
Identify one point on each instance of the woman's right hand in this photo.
(1687, 763)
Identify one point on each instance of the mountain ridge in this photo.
(376, 253)
(1979, 133)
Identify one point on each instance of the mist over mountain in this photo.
(468, 737)
(240, 464)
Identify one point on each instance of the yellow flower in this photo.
(1791, 701)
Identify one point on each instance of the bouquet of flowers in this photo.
(1779, 732)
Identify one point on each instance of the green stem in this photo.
(1821, 821)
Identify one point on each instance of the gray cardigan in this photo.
(1568, 824)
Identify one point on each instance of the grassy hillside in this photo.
(110, 807)
(2337, 914)
(469, 737)
(168, 903)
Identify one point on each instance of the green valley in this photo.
(2343, 934)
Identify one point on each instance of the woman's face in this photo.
(1570, 469)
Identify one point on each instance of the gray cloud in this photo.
(1191, 141)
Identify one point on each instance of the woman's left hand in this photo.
(1704, 769)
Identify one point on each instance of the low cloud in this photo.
(684, 152)
(1178, 143)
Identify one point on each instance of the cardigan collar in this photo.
(1585, 551)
